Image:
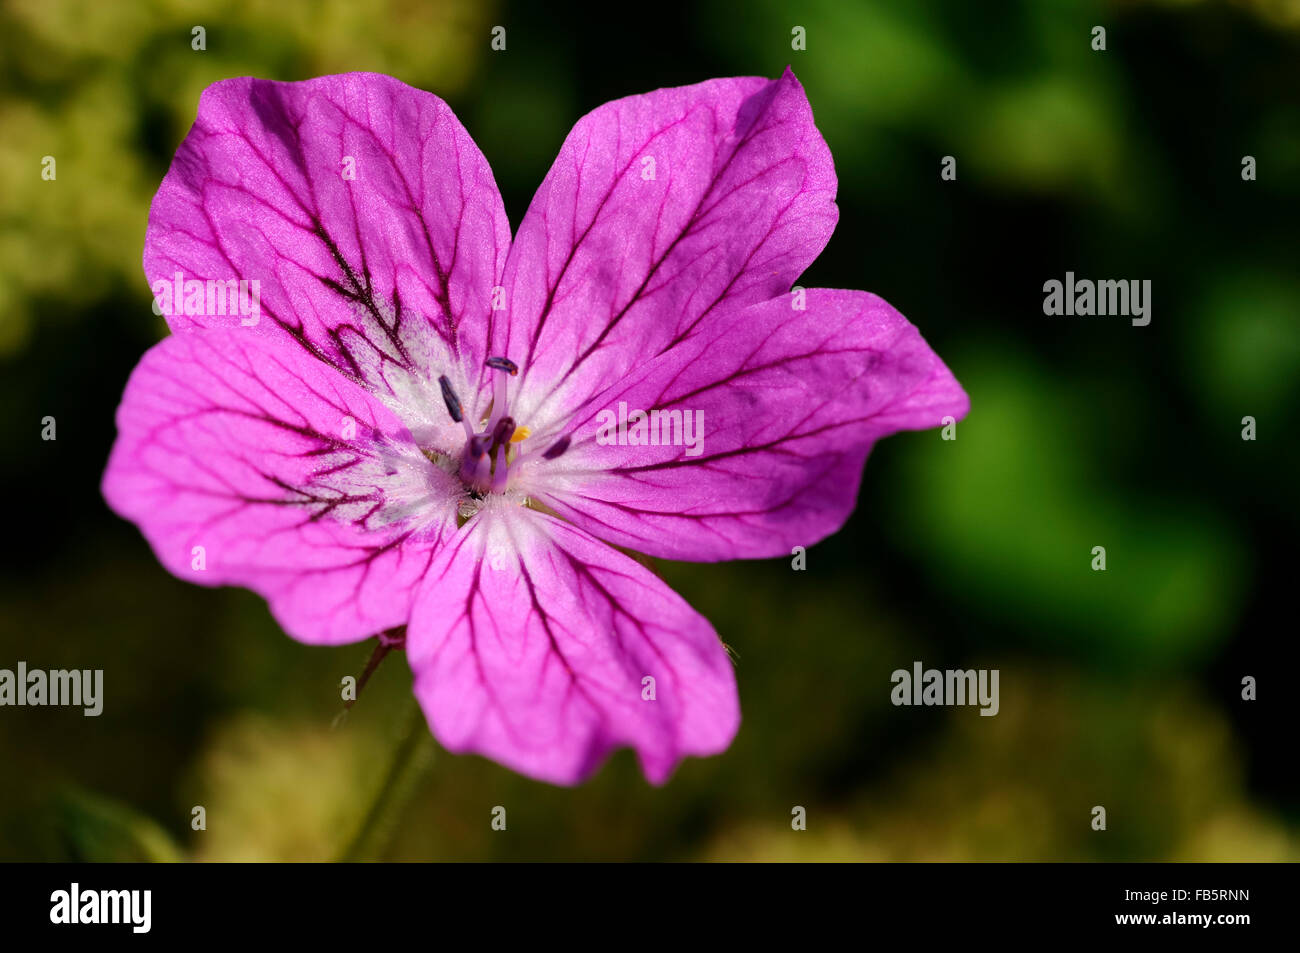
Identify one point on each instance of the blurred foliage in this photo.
(108, 89)
(1014, 788)
(1119, 688)
(1174, 570)
(279, 790)
(96, 830)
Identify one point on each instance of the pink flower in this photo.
(377, 410)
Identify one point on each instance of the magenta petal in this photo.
(792, 402)
(246, 462)
(661, 211)
(532, 644)
(361, 205)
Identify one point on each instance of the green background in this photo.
(1120, 689)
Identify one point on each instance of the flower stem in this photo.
(392, 639)
(413, 756)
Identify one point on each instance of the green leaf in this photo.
(98, 830)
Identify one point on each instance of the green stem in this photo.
(413, 757)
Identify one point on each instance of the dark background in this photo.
(1120, 689)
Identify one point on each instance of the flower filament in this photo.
(485, 464)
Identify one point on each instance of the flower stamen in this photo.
(476, 467)
(502, 433)
(485, 466)
(502, 474)
(557, 448)
(499, 394)
(454, 407)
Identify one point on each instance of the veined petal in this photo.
(543, 649)
(245, 461)
(661, 211)
(785, 404)
(364, 211)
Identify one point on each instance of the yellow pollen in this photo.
(520, 434)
